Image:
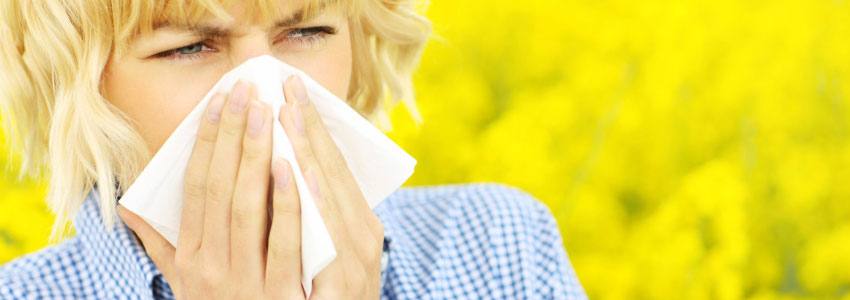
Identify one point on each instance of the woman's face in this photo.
(163, 75)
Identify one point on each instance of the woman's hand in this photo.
(229, 246)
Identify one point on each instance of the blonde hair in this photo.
(53, 53)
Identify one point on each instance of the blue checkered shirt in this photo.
(480, 241)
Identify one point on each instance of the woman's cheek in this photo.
(332, 71)
(166, 101)
(330, 65)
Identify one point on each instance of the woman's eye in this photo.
(304, 32)
(309, 35)
(193, 48)
(302, 37)
(189, 51)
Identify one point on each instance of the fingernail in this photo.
(256, 119)
(239, 97)
(281, 174)
(298, 89)
(297, 118)
(215, 106)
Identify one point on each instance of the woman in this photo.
(91, 88)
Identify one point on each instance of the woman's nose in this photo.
(255, 43)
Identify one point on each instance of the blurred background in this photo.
(688, 149)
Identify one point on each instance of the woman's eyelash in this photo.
(310, 32)
(194, 49)
(305, 37)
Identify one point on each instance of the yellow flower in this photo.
(688, 149)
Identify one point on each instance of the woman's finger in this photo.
(293, 124)
(194, 187)
(345, 203)
(249, 210)
(283, 265)
(157, 247)
(348, 197)
(338, 270)
(295, 127)
(222, 175)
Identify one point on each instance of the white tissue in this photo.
(378, 165)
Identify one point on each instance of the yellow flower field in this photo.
(688, 149)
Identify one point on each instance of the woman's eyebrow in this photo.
(220, 31)
(205, 30)
(302, 15)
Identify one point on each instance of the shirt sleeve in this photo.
(477, 241)
(9, 288)
(555, 273)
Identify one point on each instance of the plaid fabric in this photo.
(480, 241)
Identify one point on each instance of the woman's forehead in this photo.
(252, 11)
(142, 17)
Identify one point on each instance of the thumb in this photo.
(157, 247)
